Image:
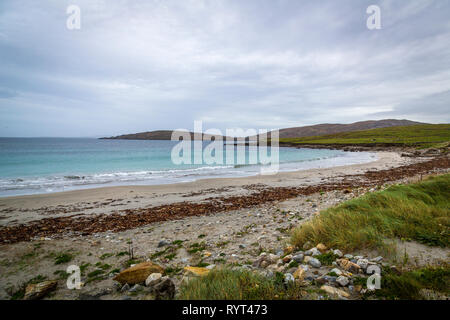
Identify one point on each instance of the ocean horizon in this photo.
(45, 165)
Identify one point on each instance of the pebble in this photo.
(313, 262)
(163, 243)
(298, 257)
(312, 252)
(288, 278)
(343, 281)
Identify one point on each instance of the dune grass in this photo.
(421, 136)
(419, 212)
(227, 284)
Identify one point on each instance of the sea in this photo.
(45, 165)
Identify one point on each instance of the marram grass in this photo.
(419, 212)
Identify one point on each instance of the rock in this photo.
(35, 291)
(298, 257)
(307, 245)
(377, 259)
(363, 263)
(313, 262)
(343, 281)
(288, 278)
(334, 291)
(196, 271)
(338, 253)
(336, 271)
(321, 247)
(153, 279)
(163, 243)
(164, 289)
(207, 254)
(136, 288)
(348, 256)
(125, 287)
(265, 260)
(288, 249)
(212, 266)
(299, 273)
(348, 265)
(287, 258)
(242, 246)
(312, 252)
(358, 257)
(139, 273)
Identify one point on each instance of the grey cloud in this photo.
(144, 65)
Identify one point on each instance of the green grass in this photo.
(421, 136)
(227, 284)
(63, 258)
(419, 212)
(408, 285)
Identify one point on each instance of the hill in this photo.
(330, 128)
(424, 135)
(152, 135)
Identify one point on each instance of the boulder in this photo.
(313, 262)
(139, 273)
(321, 247)
(298, 257)
(153, 279)
(35, 291)
(338, 253)
(348, 265)
(299, 274)
(164, 289)
(196, 271)
(343, 281)
(312, 252)
(334, 291)
(363, 263)
(337, 271)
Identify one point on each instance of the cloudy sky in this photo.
(139, 65)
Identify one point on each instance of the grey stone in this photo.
(312, 252)
(363, 263)
(288, 278)
(313, 262)
(125, 288)
(377, 259)
(136, 288)
(348, 256)
(343, 281)
(163, 243)
(298, 257)
(338, 253)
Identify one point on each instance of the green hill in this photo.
(421, 136)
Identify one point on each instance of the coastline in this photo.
(22, 209)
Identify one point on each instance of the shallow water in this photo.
(41, 165)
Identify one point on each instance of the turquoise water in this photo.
(40, 165)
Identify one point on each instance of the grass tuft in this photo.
(419, 212)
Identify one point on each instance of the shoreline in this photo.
(179, 191)
(74, 213)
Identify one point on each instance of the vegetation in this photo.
(419, 212)
(421, 136)
(409, 285)
(227, 284)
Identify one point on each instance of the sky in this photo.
(142, 65)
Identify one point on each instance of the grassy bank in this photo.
(419, 212)
(227, 284)
(421, 136)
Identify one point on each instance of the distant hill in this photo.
(423, 136)
(297, 132)
(152, 135)
(330, 128)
